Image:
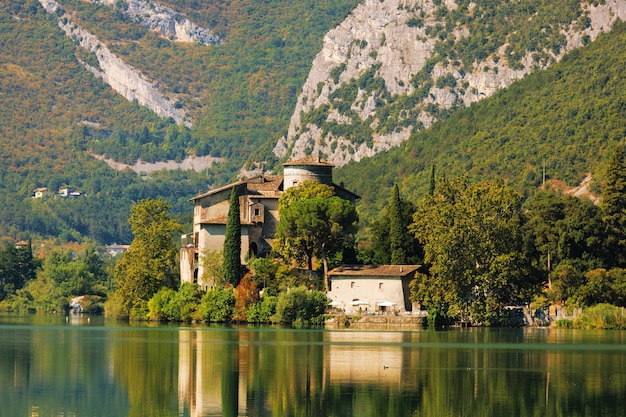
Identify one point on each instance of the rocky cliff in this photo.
(123, 78)
(163, 20)
(394, 66)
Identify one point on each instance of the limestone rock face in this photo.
(393, 41)
(123, 78)
(165, 21)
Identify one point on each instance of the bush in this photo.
(162, 306)
(217, 305)
(301, 306)
(262, 311)
(601, 316)
(564, 324)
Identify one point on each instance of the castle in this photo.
(258, 201)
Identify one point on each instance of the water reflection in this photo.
(91, 368)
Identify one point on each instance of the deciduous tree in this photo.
(150, 263)
(315, 228)
(472, 240)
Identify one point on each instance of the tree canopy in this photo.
(315, 227)
(150, 263)
(472, 237)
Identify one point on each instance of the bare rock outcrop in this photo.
(395, 41)
(163, 20)
(122, 77)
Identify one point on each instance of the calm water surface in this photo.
(92, 367)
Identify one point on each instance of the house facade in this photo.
(372, 288)
(258, 202)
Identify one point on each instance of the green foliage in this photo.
(472, 237)
(212, 268)
(315, 228)
(217, 305)
(389, 237)
(613, 205)
(150, 263)
(601, 316)
(61, 276)
(563, 228)
(602, 286)
(17, 267)
(262, 311)
(567, 118)
(232, 241)
(170, 305)
(301, 306)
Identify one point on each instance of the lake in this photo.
(89, 366)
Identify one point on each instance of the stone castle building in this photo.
(258, 201)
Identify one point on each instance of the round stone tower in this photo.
(310, 168)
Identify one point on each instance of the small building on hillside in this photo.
(258, 202)
(383, 288)
(40, 192)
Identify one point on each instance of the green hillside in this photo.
(566, 119)
(54, 114)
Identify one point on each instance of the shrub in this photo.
(301, 305)
(602, 316)
(262, 312)
(217, 305)
(564, 324)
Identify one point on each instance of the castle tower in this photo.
(310, 168)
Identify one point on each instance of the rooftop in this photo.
(374, 270)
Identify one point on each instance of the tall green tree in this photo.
(17, 267)
(306, 189)
(613, 205)
(473, 246)
(392, 242)
(150, 263)
(315, 228)
(232, 241)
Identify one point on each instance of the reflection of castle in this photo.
(344, 362)
(225, 372)
(209, 385)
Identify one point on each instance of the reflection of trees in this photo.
(272, 372)
(51, 371)
(146, 366)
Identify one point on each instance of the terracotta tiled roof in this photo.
(265, 184)
(309, 160)
(221, 220)
(374, 270)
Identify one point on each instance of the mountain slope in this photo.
(394, 67)
(564, 120)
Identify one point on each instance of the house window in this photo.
(352, 284)
(380, 286)
(257, 212)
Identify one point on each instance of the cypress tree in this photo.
(613, 206)
(431, 188)
(397, 229)
(232, 241)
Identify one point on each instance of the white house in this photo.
(384, 288)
